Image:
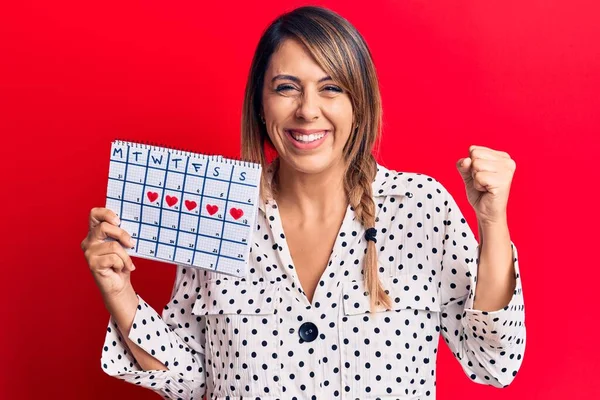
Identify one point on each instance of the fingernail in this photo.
(132, 267)
(117, 221)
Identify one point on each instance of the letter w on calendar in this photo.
(182, 207)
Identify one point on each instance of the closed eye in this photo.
(282, 88)
(334, 89)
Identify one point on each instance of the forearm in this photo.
(123, 308)
(496, 274)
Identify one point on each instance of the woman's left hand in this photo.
(487, 175)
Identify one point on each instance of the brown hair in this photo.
(340, 50)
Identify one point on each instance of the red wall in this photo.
(523, 77)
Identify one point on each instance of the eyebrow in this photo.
(296, 79)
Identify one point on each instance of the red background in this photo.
(523, 77)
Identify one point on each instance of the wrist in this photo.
(122, 306)
(493, 222)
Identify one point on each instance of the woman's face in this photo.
(307, 115)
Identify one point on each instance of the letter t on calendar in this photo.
(182, 207)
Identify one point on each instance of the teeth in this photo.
(308, 138)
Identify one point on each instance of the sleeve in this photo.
(488, 345)
(176, 339)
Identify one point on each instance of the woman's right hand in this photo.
(109, 263)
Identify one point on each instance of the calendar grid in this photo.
(192, 193)
(220, 197)
(180, 209)
(186, 213)
(161, 203)
(208, 177)
(172, 229)
(196, 251)
(224, 218)
(124, 182)
(200, 216)
(137, 243)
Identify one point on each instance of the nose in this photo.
(309, 106)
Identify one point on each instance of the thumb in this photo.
(464, 168)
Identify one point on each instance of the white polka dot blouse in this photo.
(259, 337)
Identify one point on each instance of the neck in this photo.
(312, 196)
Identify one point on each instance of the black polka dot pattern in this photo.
(227, 337)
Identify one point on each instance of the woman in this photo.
(374, 264)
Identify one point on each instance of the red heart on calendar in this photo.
(171, 200)
(211, 209)
(190, 205)
(152, 196)
(236, 213)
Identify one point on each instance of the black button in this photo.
(308, 331)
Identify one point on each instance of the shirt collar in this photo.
(386, 183)
(389, 183)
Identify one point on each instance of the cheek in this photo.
(341, 113)
(341, 117)
(280, 113)
(273, 138)
(275, 135)
(278, 107)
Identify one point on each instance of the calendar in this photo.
(183, 207)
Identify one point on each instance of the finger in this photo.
(504, 166)
(107, 261)
(485, 181)
(486, 153)
(105, 231)
(464, 167)
(99, 215)
(502, 154)
(106, 248)
(480, 164)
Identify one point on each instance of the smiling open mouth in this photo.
(306, 140)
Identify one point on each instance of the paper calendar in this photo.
(183, 207)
